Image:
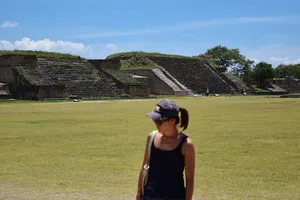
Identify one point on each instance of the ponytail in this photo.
(184, 118)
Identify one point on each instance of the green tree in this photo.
(247, 71)
(296, 71)
(244, 70)
(263, 71)
(292, 71)
(282, 71)
(226, 58)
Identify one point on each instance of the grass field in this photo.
(246, 148)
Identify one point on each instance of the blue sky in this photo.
(263, 30)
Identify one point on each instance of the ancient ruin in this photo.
(128, 75)
(33, 77)
(181, 76)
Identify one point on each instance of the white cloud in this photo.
(112, 47)
(285, 60)
(45, 45)
(93, 51)
(9, 24)
(187, 26)
(255, 60)
(274, 54)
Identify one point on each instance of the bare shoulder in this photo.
(189, 141)
(188, 146)
(150, 134)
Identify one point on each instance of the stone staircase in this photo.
(290, 85)
(165, 78)
(34, 76)
(235, 82)
(276, 89)
(79, 77)
(195, 74)
(180, 85)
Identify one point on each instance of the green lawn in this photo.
(246, 148)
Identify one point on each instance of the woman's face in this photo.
(165, 125)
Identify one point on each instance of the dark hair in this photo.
(184, 118)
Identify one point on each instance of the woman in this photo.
(172, 152)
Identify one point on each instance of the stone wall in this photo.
(4, 87)
(137, 90)
(48, 92)
(22, 89)
(29, 87)
(236, 83)
(290, 85)
(79, 77)
(156, 85)
(43, 77)
(4, 91)
(106, 64)
(40, 93)
(6, 75)
(195, 74)
(14, 60)
(133, 86)
(7, 62)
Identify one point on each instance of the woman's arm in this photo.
(139, 189)
(140, 179)
(189, 153)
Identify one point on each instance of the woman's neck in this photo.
(172, 134)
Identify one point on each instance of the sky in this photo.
(265, 30)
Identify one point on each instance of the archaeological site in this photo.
(126, 75)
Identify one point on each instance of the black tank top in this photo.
(165, 178)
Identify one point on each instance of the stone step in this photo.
(79, 78)
(275, 88)
(165, 79)
(181, 86)
(195, 74)
(239, 84)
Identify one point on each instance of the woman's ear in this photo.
(172, 121)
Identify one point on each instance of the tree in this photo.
(282, 71)
(226, 58)
(296, 71)
(244, 70)
(263, 71)
(246, 73)
(292, 71)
